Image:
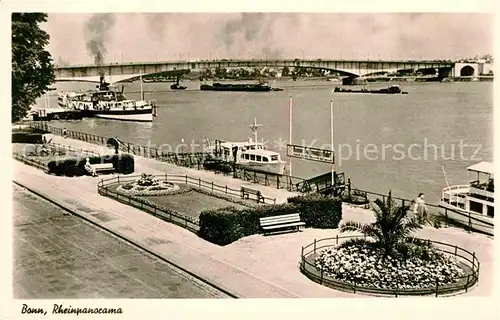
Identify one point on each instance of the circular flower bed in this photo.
(147, 185)
(362, 265)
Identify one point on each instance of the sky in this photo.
(78, 38)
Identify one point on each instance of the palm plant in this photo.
(392, 229)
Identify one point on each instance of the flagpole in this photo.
(331, 136)
(290, 136)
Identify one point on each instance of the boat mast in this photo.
(445, 178)
(254, 127)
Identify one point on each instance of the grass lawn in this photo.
(190, 203)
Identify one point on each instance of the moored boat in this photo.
(259, 87)
(390, 90)
(251, 154)
(476, 198)
(108, 104)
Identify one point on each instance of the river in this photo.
(382, 142)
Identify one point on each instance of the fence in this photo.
(31, 162)
(289, 183)
(465, 257)
(190, 160)
(27, 158)
(450, 217)
(185, 179)
(137, 202)
(103, 188)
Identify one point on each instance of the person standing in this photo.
(419, 208)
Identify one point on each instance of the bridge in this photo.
(116, 72)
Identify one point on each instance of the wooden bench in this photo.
(246, 192)
(286, 221)
(100, 167)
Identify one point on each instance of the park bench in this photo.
(281, 222)
(246, 192)
(101, 167)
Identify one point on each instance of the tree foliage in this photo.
(392, 228)
(32, 69)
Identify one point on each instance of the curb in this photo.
(128, 240)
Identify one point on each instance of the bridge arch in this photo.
(467, 71)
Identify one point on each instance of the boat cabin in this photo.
(484, 177)
(477, 197)
(246, 152)
(106, 95)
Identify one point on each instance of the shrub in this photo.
(123, 163)
(220, 226)
(217, 165)
(25, 137)
(226, 225)
(229, 224)
(357, 197)
(318, 211)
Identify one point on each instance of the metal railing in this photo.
(31, 162)
(293, 184)
(103, 188)
(185, 179)
(465, 257)
(27, 158)
(450, 217)
(190, 160)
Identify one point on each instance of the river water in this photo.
(382, 142)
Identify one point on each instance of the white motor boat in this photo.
(251, 153)
(477, 197)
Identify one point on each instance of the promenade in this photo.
(254, 267)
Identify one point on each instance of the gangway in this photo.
(323, 184)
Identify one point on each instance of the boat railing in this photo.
(464, 187)
(455, 195)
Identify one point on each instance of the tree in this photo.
(32, 69)
(392, 228)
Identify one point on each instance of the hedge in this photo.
(217, 165)
(123, 163)
(25, 137)
(319, 211)
(226, 225)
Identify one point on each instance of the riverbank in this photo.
(254, 266)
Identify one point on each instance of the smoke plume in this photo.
(254, 33)
(97, 35)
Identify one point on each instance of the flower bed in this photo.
(160, 189)
(361, 264)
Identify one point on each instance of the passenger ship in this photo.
(475, 198)
(108, 104)
(251, 153)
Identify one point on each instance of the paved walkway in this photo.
(60, 256)
(253, 267)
